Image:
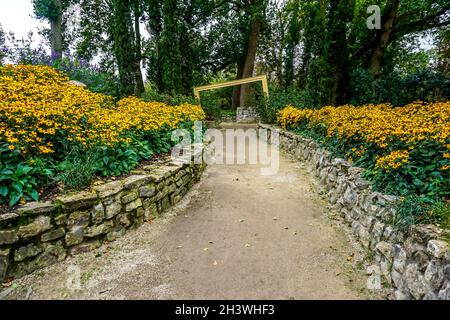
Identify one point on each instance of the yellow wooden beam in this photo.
(263, 79)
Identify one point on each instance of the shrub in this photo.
(406, 150)
(46, 120)
(279, 98)
(152, 95)
(19, 179)
(399, 89)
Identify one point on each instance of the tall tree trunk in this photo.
(56, 42)
(123, 41)
(249, 62)
(139, 85)
(236, 96)
(338, 56)
(383, 37)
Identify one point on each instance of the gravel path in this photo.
(236, 235)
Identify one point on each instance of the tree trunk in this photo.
(383, 37)
(139, 85)
(236, 97)
(56, 41)
(249, 63)
(338, 56)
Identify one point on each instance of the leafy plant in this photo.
(414, 210)
(19, 179)
(79, 168)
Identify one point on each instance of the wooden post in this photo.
(263, 80)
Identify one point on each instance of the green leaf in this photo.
(17, 186)
(14, 199)
(3, 191)
(6, 172)
(34, 195)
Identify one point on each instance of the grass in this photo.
(415, 210)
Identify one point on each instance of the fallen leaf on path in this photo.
(286, 228)
(179, 247)
(275, 218)
(247, 245)
(241, 220)
(205, 249)
(105, 290)
(215, 263)
(294, 233)
(210, 242)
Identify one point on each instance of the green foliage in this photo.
(121, 31)
(2, 45)
(414, 210)
(19, 178)
(422, 175)
(95, 79)
(49, 9)
(421, 181)
(216, 103)
(399, 89)
(78, 169)
(152, 94)
(278, 99)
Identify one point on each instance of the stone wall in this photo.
(41, 233)
(246, 115)
(416, 263)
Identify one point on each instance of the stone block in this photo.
(78, 201)
(129, 197)
(147, 191)
(109, 189)
(36, 227)
(112, 208)
(133, 205)
(434, 274)
(100, 229)
(31, 250)
(74, 236)
(78, 218)
(8, 236)
(53, 235)
(98, 213)
(437, 248)
(36, 208)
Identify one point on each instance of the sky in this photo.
(17, 16)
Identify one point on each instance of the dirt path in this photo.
(236, 235)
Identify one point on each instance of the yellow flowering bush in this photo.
(39, 109)
(43, 116)
(405, 148)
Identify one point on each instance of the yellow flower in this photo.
(39, 109)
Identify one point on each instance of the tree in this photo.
(154, 24)
(255, 10)
(121, 31)
(52, 10)
(337, 51)
(292, 40)
(400, 18)
(139, 82)
(3, 48)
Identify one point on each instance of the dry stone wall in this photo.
(416, 263)
(39, 234)
(246, 115)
